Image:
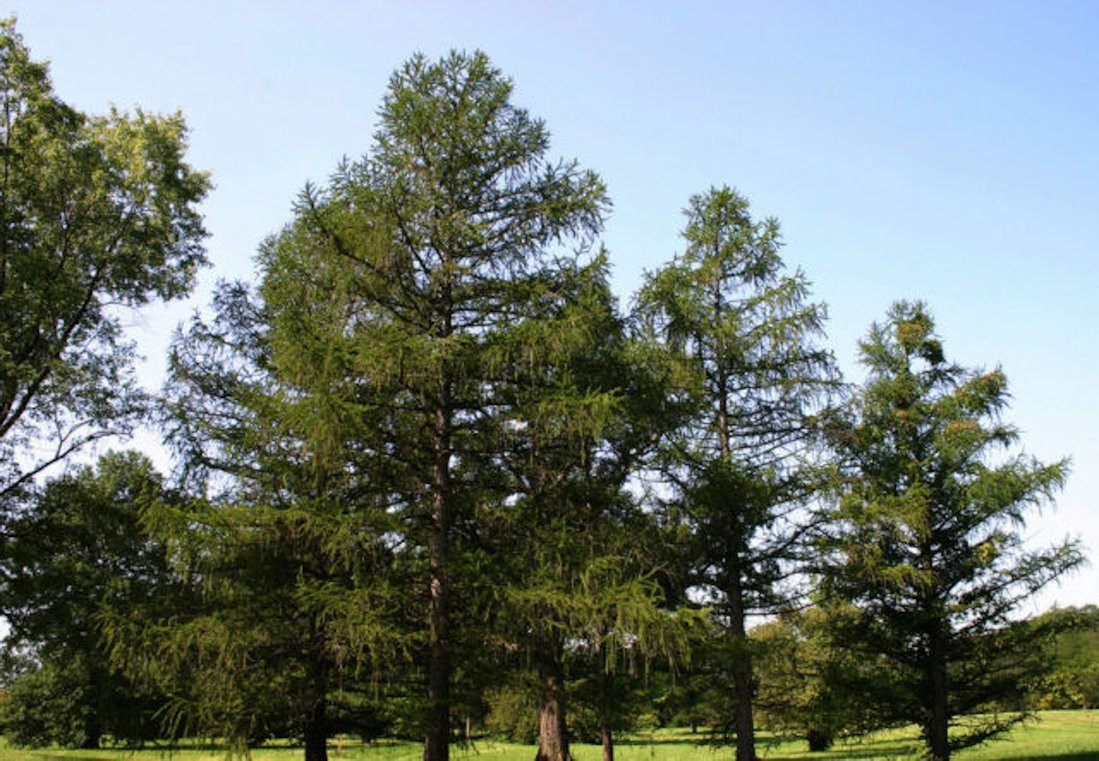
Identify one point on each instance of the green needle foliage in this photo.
(581, 593)
(288, 545)
(745, 337)
(451, 227)
(926, 542)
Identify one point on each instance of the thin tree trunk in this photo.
(743, 720)
(605, 697)
(734, 594)
(437, 742)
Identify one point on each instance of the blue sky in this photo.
(946, 151)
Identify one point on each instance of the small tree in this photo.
(82, 550)
(813, 687)
(926, 541)
(287, 544)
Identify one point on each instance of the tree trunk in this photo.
(606, 697)
(743, 721)
(819, 740)
(734, 592)
(553, 740)
(315, 729)
(437, 742)
(936, 731)
(316, 735)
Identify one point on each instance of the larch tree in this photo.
(745, 334)
(289, 537)
(926, 541)
(447, 221)
(579, 594)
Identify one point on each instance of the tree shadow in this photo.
(1072, 755)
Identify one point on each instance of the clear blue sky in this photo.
(947, 151)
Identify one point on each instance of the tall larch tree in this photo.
(926, 542)
(448, 220)
(745, 334)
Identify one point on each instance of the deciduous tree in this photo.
(448, 221)
(83, 550)
(97, 214)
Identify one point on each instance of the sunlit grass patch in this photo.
(1054, 736)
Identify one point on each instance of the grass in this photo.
(1056, 736)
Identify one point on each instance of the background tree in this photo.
(97, 214)
(745, 334)
(288, 544)
(1071, 679)
(82, 550)
(447, 220)
(926, 542)
(581, 556)
(812, 686)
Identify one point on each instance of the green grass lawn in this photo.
(1056, 736)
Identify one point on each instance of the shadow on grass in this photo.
(913, 751)
(846, 752)
(698, 740)
(1072, 755)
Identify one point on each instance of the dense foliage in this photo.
(97, 214)
(81, 553)
(925, 542)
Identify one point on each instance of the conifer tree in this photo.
(284, 539)
(926, 542)
(580, 594)
(290, 536)
(745, 335)
(448, 222)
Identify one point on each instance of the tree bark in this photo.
(437, 742)
(316, 734)
(605, 697)
(743, 721)
(937, 730)
(553, 740)
(315, 728)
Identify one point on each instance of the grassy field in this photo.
(1056, 736)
